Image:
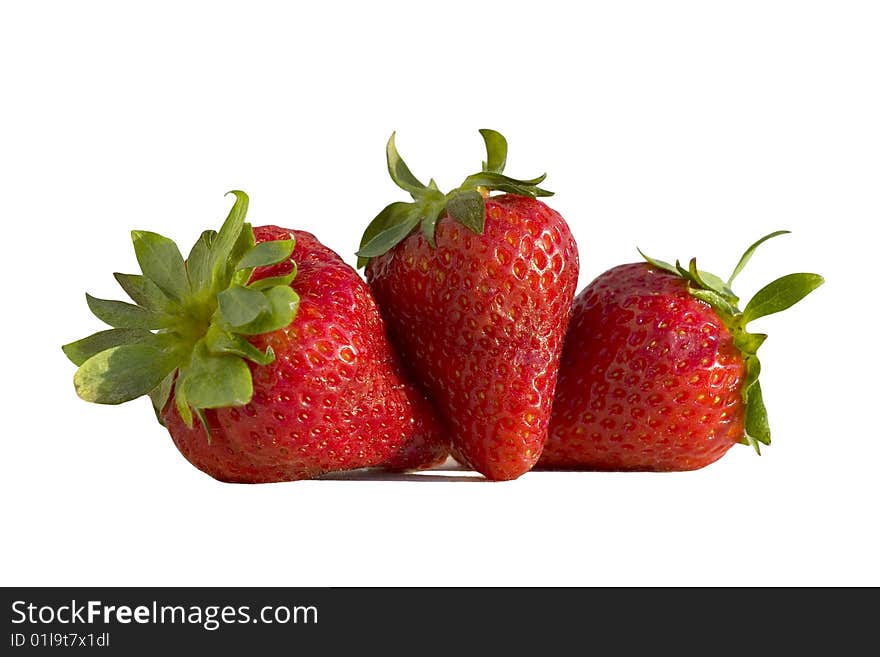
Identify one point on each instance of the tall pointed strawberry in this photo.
(659, 369)
(477, 289)
(264, 355)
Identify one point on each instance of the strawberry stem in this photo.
(187, 329)
(466, 203)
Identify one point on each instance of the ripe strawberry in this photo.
(658, 371)
(273, 342)
(477, 301)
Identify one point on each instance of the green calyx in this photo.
(774, 297)
(465, 203)
(187, 328)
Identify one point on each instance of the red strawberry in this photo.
(477, 302)
(286, 365)
(658, 371)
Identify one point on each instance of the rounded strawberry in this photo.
(658, 370)
(264, 354)
(477, 290)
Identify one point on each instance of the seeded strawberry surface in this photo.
(480, 319)
(334, 398)
(649, 380)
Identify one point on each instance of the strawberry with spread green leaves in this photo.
(659, 371)
(476, 290)
(264, 355)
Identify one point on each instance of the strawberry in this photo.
(264, 354)
(476, 291)
(658, 370)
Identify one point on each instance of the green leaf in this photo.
(267, 253)
(272, 281)
(757, 426)
(469, 209)
(429, 227)
(693, 274)
(750, 251)
(701, 284)
(400, 173)
(243, 244)
(181, 402)
(782, 293)
(500, 182)
(203, 420)
(122, 373)
(240, 305)
(81, 350)
(283, 303)
(160, 394)
(718, 302)
(216, 381)
(432, 207)
(659, 264)
(753, 371)
(161, 262)
(749, 343)
(218, 341)
(389, 237)
(198, 263)
(125, 315)
(718, 285)
(226, 240)
(144, 292)
(390, 215)
(706, 280)
(496, 150)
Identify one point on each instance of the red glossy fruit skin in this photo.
(480, 320)
(650, 378)
(335, 398)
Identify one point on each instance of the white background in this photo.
(685, 128)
